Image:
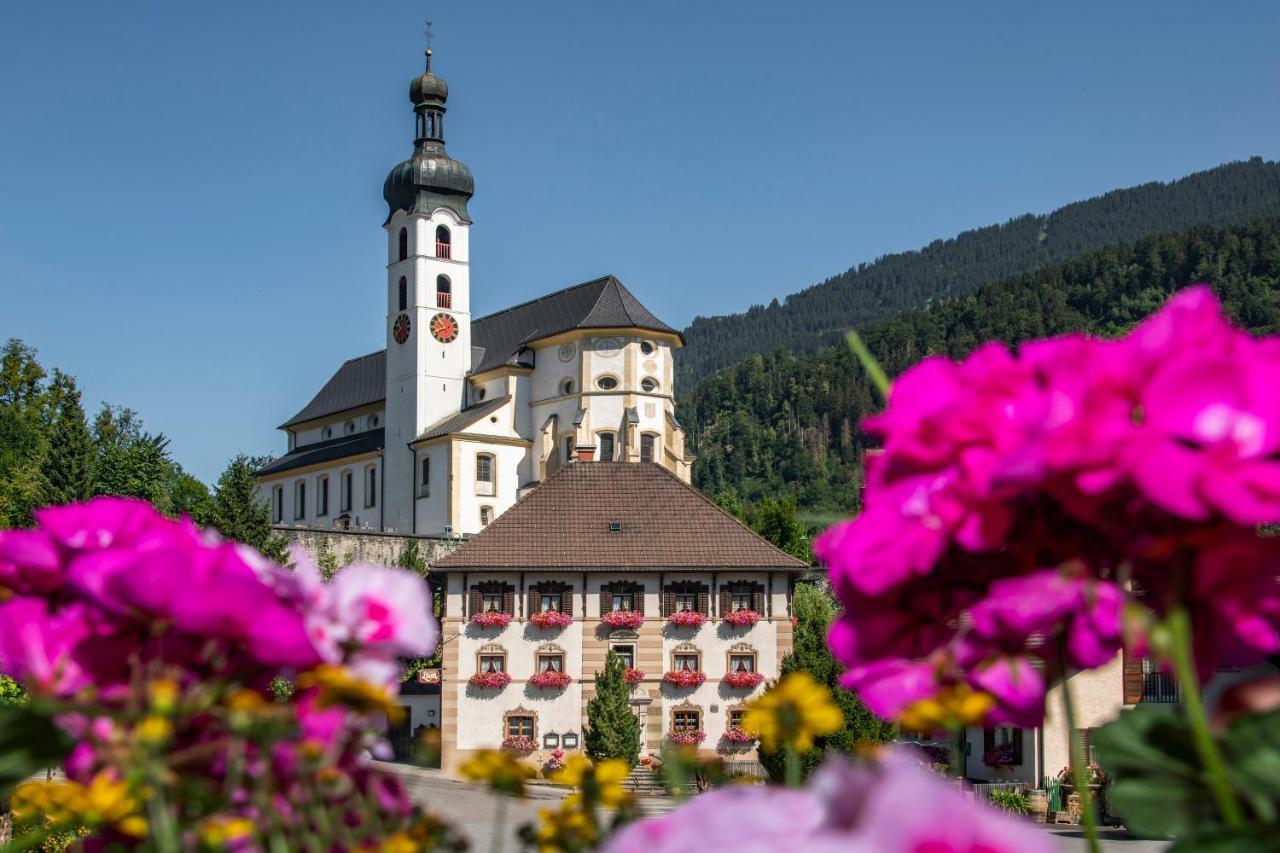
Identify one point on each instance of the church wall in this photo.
(360, 515)
(466, 508)
(433, 507)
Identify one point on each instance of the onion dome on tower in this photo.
(430, 178)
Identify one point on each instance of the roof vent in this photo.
(615, 527)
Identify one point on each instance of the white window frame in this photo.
(370, 486)
(613, 441)
(299, 500)
(346, 485)
(277, 504)
(486, 515)
(322, 496)
(487, 487)
(424, 476)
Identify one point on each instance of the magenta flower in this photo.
(37, 647)
(385, 608)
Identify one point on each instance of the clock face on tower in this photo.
(401, 328)
(444, 328)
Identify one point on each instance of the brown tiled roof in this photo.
(665, 524)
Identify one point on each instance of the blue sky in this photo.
(190, 194)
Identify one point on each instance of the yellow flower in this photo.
(105, 800)
(600, 783)
(134, 825)
(221, 830)
(400, 842)
(163, 693)
(154, 730)
(792, 713)
(952, 707)
(339, 686)
(567, 827)
(500, 769)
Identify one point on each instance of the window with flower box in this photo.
(549, 597)
(744, 598)
(686, 661)
(492, 600)
(734, 717)
(519, 726)
(520, 730)
(741, 666)
(622, 604)
(686, 720)
(686, 597)
(551, 661)
(1002, 747)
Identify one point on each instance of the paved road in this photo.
(472, 809)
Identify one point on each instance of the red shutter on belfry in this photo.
(477, 602)
(566, 601)
(757, 602)
(509, 602)
(1133, 681)
(704, 602)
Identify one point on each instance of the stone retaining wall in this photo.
(365, 546)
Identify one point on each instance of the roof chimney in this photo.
(586, 453)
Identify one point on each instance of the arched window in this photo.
(404, 243)
(444, 248)
(444, 292)
(404, 293)
(647, 442)
(484, 474)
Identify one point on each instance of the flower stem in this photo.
(1179, 625)
(869, 364)
(794, 772)
(1088, 817)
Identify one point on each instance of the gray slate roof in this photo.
(464, 419)
(497, 339)
(325, 451)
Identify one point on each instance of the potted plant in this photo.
(550, 679)
(551, 618)
(687, 738)
(623, 619)
(491, 619)
(490, 680)
(743, 679)
(555, 762)
(520, 744)
(685, 677)
(687, 618)
(742, 618)
(633, 675)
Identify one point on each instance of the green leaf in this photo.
(1222, 840)
(29, 742)
(1152, 807)
(1253, 747)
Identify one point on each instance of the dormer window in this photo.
(444, 292)
(404, 244)
(444, 247)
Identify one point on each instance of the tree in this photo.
(775, 519)
(187, 495)
(612, 730)
(238, 513)
(22, 433)
(131, 462)
(67, 468)
(814, 610)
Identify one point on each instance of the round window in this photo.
(349, 427)
(648, 384)
(566, 387)
(479, 394)
(328, 432)
(647, 347)
(373, 421)
(606, 383)
(607, 346)
(567, 352)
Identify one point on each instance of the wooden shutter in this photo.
(1133, 680)
(509, 601)
(988, 740)
(532, 602)
(477, 602)
(566, 601)
(605, 603)
(757, 602)
(704, 601)
(637, 599)
(668, 602)
(1017, 746)
(726, 601)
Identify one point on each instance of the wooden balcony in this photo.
(444, 300)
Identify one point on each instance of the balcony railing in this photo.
(1160, 687)
(444, 300)
(444, 250)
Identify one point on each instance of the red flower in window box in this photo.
(688, 738)
(551, 619)
(742, 617)
(733, 734)
(743, 679)
(633, 676)
(687, 618)
(491, 619)
(496, 680)
(685, 677)
(519, 744)
(623, 619)
(551, 679)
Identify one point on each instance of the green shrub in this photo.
(1014, 802)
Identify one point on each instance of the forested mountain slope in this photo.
(783, 424)
(815, 317)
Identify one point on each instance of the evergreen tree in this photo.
(613, 729)
(67, 468)
(814, 610)
(187, 495)
(775, 519)
(238, 513)
(22, 433)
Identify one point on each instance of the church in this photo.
(459, 416)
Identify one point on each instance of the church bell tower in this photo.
(428, 293)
